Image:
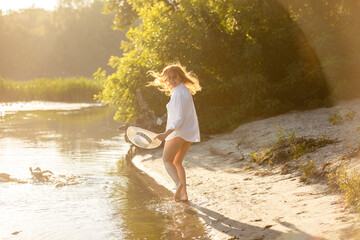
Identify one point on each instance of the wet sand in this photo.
(240, 199)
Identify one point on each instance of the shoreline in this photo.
(151, 182)
(238, 199)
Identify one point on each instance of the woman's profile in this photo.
(182, 127)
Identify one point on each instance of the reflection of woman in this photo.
(182, 128)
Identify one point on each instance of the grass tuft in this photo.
(347, 181)
(336, 117)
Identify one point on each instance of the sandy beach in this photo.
(240, 199)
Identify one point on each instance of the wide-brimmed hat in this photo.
(142, 138)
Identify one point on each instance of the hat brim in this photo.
(131, 132)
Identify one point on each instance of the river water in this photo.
(100, 196)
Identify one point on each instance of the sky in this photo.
(6, 5)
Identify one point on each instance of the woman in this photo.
(182, 127)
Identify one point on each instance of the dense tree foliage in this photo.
(332, 27)
(73, 40)
(253, 57)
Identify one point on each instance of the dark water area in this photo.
(94, 192)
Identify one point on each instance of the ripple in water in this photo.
(89, 195)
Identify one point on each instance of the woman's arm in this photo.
(164, 135)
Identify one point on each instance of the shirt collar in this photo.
(175, 89)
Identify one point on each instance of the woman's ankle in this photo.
(178, 191)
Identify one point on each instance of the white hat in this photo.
(142, 138)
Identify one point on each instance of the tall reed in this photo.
(78, 89)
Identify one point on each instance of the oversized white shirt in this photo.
(181, 115)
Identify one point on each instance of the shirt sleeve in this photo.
(181, 104)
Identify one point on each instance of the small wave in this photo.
(44, 177)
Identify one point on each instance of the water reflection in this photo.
(151, 213)
(112, 201)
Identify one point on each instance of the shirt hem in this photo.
(187, 140)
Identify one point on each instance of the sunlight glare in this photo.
(6, 5)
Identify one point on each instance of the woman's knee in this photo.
(177, 163)
(168, 156)
(168, 159)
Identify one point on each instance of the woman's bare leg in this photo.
(171, 149)
(180, 169)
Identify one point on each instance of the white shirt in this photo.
(181, 115)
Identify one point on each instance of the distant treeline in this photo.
(45, 89)
(254, 58)
(74, 40)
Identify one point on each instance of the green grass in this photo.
(289, 148)
(336, 117)
(346, 180)
(78, 89)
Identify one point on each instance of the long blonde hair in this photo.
(188, 78)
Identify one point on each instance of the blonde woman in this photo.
(182, 127)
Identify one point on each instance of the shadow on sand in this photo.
(238, 230)
(234, 229)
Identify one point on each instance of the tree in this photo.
(73, 40)
(331, 26)
(251, 57)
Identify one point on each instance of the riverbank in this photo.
(237, 196)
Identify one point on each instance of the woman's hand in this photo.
(161, 136)
(164, 135)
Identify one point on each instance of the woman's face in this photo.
(173, 79)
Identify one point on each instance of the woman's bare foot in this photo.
(184, 196)
(178, 192)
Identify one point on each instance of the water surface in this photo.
(112, 200)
